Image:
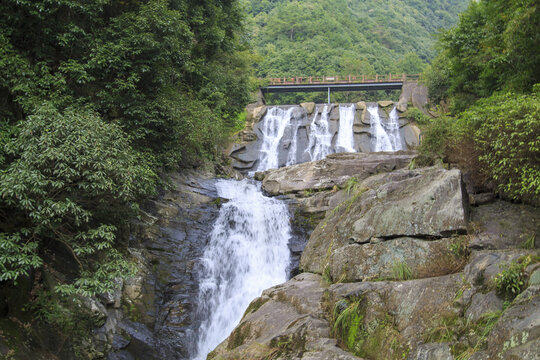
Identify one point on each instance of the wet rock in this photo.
(332, 171)
(142, 342)
(420, 203)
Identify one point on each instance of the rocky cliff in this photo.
(399, 265)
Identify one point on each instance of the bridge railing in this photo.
(350, 79)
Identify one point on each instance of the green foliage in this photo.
(347, 321)
(401, 271)
(507, 133)
(340, 37)
(351, 184)
(465, 337)
(459, 248)
(498, 138)
(494, 47)
(417, 116)
(74, 180)
(511, 280)
(529, 243)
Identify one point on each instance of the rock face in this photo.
(424, 204)
(286, 322)
(246, 151)
(374, 230)
(415, 94)
(332, 171)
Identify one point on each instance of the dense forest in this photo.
(97, 98)
(485, 82)
(344, 37)
(100, 98)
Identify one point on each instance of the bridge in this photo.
(336, 83)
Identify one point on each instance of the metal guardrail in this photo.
(306, 80)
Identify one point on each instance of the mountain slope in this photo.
(316, 37)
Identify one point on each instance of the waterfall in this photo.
(385, 139)
(345, 139)
(246, 254)
(273, 127)
(393, 130)
(292, 156)
(320, 138)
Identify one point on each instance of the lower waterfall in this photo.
(247, 253)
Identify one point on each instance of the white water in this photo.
(383, 139)
(320, 138)
(292, 156)
(274, 123)
(393, 130)
(246, 254)
(345, 139)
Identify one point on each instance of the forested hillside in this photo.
(96, 98)
(341, 37)
(486, 83)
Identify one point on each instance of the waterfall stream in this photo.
(345, 139)
(274, 124)
(246, 254)
(383, 139)
(320, 138)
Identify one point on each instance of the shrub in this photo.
(511, 280)
(74, 180)
(508, 138)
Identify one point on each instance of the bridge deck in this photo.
(332, 87)
(337, 83)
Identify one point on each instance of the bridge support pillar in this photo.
(329, 95)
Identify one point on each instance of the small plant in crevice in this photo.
(459, 248)
(529, 244)
(347, 321)
(401, 271)
(511, 280)
(327, 275)
(351, 183)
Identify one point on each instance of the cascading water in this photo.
(345, 139)
(382, 139)
(292, 156)
(246, 254)
(393, 130)
(320, 138)
(273, 127)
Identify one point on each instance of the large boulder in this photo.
(363, 262)
(286, 322)
(423, 203)
(335, 170)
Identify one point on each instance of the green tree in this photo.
(74, 180)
